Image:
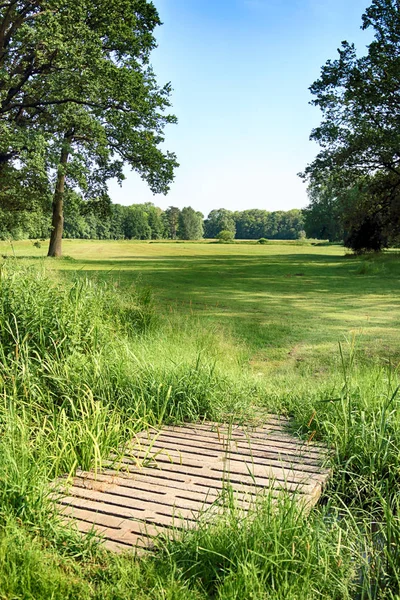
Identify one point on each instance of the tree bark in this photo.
(55, 246)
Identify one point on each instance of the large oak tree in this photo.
(78, 97)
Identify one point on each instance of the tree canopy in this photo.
(190, 224)
(323, 216)
(256, 223)
(78, 97)
(359, 135)
(219, 220)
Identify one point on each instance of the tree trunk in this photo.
(58, 204)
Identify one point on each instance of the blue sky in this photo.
(240, 70)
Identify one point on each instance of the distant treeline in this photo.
(254, 224)
(85, 220)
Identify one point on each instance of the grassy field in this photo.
(89, 356)
(289, 304)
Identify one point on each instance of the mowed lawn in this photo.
(288, 304)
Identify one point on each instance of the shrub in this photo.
(226, 236)
(368, 235)
(263, 241)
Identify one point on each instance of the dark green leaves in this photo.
(360, 131)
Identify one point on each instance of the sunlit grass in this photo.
(288, 304)
(124, 335)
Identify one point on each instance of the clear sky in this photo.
(240, 70)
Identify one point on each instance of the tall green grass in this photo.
(274, 551)
(358, 417)
(84, 365)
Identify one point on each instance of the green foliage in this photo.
(138, 221)
(99, 219)
(282, 225)
(190, 224)
(367, 235)
(323, 216)
(350, 215)
(226, 236)
(262, 241)
(359, 136)
(254, 223)
(114, 104)
(136, 224)
(81, 115)
(219, 220)
(171, 221)
(25, 203)
(18, 225)
(155, 221)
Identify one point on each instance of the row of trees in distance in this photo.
(82, 220)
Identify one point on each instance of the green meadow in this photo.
(288, 303)
(120, 335)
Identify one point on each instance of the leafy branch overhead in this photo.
(360, 101)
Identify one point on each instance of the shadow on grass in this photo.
(35, 257)
(271, 302)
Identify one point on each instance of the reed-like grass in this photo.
(84, 365)
(274, 551)
(358, 418)
(80, 373)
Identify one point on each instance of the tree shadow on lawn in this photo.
(269, 302)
